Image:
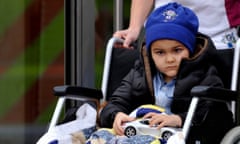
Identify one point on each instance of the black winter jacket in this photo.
(136, 89)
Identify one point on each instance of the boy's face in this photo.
(167, 56)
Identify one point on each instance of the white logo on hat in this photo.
(169, 15)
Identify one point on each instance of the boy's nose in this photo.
(170, 58)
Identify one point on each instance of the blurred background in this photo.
(45, 43)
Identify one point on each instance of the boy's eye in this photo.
(178, 50)
(160, 52)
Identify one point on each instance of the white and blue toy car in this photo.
(141, 127)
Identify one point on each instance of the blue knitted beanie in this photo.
(172, 21)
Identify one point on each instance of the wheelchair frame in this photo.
(198, 93)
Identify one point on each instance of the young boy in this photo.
(178, 58)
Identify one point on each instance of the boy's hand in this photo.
(163, 120)
(121, 118)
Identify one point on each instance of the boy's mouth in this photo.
(171, 67)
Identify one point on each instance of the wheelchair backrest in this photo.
(122, 61)
(223, 60)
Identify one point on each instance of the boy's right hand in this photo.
(121, 118)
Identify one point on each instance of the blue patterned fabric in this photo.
(107, 136)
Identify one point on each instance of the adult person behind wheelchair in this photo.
(218, 19)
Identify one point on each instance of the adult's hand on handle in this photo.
(129, 36)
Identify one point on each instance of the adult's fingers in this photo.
(127, 43)
(121, 34)
(124, 34)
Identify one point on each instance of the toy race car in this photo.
(141, 127)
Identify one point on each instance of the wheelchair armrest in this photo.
(214, 93)
(77, 91)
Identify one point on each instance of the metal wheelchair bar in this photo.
(107, 64)
(188, 121)
(57, 112)
(234, 83)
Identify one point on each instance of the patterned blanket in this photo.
(107, 136)
(93, 135)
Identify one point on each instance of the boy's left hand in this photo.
(163, 120)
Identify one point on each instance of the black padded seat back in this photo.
(223, 60)
(122, 61)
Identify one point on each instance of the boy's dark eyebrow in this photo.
(158, 49)
(180, 45)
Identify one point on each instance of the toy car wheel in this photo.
(130, 131)
(166, 135)
(232, 137)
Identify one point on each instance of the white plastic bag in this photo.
(62, 134)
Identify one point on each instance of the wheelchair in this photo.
(226, 61)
